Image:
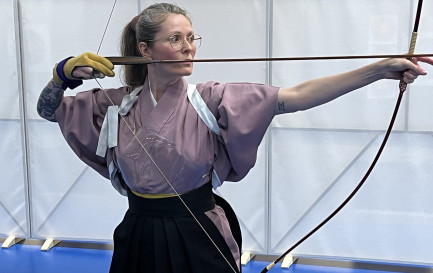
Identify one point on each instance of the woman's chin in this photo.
(187, 72)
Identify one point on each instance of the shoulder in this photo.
(215, 92)
(210, 88)
(114, 94)
(214, 88)
(212, 93)
(106, 97)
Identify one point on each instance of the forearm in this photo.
(49, 100)
(322, 90)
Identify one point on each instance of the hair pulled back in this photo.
(143, 28)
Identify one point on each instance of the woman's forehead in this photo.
(175, 23)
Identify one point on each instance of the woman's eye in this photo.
(191, 39)
(175, 38)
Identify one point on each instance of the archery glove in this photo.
(63, 71)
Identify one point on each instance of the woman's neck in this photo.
(158, 84)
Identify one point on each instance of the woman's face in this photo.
(161, 48)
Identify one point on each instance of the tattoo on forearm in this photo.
(281, 106)
(50, 98)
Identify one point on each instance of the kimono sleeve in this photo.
(80, 119)
(244, 112)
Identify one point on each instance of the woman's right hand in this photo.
(73, 70)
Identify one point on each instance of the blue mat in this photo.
(30, 259)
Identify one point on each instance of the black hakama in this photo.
(161, 236)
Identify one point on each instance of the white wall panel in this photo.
(8, 73)
(389, 218)
(13, 201)
(305, 166)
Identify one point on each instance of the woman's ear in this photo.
(144, 49)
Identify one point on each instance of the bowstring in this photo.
(106, 26)
(151, 158)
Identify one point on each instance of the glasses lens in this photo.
(176, 41)
(197, 40)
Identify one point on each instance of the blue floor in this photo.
(30, 259)
(257, 267)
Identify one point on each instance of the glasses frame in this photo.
(182, 42)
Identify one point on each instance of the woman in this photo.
(163, 146)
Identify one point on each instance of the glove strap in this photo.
(67, 83)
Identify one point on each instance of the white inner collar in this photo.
(151, 94)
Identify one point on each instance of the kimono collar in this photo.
(156, 116)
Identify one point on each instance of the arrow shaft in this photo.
(140, 60)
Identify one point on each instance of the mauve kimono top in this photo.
(183, 147)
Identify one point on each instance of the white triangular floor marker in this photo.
(246, 257)
(10, 241)
(49, 243)
(288, 261)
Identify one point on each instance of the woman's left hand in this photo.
(406, 70)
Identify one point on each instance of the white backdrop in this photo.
(308, 162)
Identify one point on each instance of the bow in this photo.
(402, 87)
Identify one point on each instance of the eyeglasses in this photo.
(177, 40)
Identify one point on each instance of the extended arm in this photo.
(315, 92)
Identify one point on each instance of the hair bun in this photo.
(133, 23)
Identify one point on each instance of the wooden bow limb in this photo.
(141, 60)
